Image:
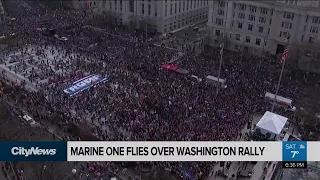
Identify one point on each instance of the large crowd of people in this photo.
(139, 101)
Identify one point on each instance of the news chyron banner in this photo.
(293, 154)
(34, 151)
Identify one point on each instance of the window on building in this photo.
(307, 18)
(288, 15)
(131, 6)
(302, 37)
(241, 15)
(248, 39)
(253, 9)
(240, 25)
(262, 19)
(311, 39)
(242, 7)
(258, 41)
(179, 7)
(219, 22)
(142, 8)
(238, 37)
(149, 9)
(166, 10)
(250, 27)
(260, 29)
(314, 30)
(236, 46)
(284, 34)
(264, 10)
(183, 5)
(221, 4)
(187, 5)
(175, 8)
(220, 12)
(286, 25)
(252, 17)
(171, 7)
(316, 20)
(217, 32)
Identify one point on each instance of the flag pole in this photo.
(280, 77)
(220, 63)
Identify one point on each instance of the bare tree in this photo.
(295, 54)
(47, 170)
(304, 55)
(132, 24)
(12, 129)
(145, 25)
(109, 17)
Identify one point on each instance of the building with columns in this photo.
(263, 26)
(156, 16)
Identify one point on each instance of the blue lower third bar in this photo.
(33, 151)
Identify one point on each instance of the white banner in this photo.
(174, 151)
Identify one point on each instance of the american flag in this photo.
(221, 48)
(284, 55)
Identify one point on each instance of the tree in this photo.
(145, 25)
(304, 56)
(12, 129)
(295, 54)
(132, 24)
(109, 17)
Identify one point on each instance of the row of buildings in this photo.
(248, 26)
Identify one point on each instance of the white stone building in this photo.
(159, 16)
(263, 26)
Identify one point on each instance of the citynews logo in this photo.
(33, 151)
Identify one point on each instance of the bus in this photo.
(216, 81)
(280, 101)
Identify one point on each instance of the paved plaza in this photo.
(35, 67)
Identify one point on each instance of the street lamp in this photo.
(73, 171)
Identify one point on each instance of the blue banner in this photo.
(84, 84)
(33, 151)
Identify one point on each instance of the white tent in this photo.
(272, 123)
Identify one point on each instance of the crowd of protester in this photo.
(140, 101)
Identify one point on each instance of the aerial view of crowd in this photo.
(136, 99)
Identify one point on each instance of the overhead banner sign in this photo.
(84, 83)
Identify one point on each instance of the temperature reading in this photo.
(294, 153)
